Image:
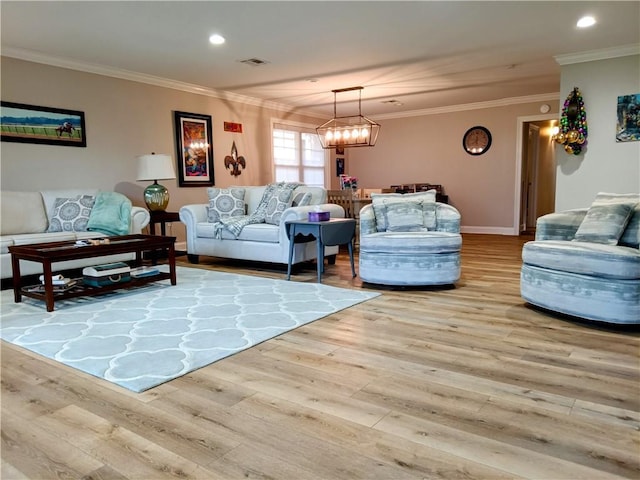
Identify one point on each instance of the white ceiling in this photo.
(424, 54)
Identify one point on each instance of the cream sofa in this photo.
(26, 216)
(261, 242)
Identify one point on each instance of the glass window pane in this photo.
(313, 158)
(298, 157)
(285, 174)
(314, 177)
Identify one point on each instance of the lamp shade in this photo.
(155, 167)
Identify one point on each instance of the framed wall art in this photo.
(23, 123)
(194, 149)
(628, 121)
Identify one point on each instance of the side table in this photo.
(336, 231)
(162, 218)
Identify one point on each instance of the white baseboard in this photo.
(487, 230)
(181, 246)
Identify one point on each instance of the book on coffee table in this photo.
(140, 272)
(57, 288)
(56, 280)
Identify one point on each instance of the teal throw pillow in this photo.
(379, 209)
(604, 223)
(631, 235)
(403, 216)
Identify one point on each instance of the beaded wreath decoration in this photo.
(573, 124)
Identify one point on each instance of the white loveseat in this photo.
(25, 219)
(262, 242)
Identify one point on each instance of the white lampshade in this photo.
(155, 167)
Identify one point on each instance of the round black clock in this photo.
(476, 140)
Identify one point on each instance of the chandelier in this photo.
(350, 131)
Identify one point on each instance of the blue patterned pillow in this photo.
(224, 203)
(604, 223)
(302, 199)
(403, 216)
(71, 214)
(631, 235)
(377, 201)
(279, 201)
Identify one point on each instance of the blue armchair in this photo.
(586, 262)
(409, 239)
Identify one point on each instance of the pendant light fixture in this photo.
(349, 131)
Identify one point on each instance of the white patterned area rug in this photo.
(143, 337)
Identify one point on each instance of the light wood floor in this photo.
(416, 384)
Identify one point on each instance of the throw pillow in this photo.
(377, 201)
(631, 235)
(429, 212)
(301, 199)
(279, 201)
(224, 203)
(403, 216)
(71, 214)
(604, 223)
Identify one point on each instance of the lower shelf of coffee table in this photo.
(82, 290)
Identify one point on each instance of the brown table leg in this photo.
(172, 264)
(48, 284)
(17, 279)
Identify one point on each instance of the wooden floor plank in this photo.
(440, 383)
(486, 450)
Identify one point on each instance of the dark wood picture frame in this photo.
(22, 123)
(194, 148)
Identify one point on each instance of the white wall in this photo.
(428, 149)
(605, 165)
(125, 119)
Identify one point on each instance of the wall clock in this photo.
(476, 140)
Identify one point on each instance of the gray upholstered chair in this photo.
(585, 262)
(409, 239)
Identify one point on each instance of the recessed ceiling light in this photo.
(216, 39)
(585, 22)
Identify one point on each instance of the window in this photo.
(298, 155)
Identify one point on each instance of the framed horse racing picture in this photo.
(51, 126)
(194, 149)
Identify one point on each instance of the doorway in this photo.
(536, 186)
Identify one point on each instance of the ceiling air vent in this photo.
(254, 62)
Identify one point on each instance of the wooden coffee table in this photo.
(49, 253)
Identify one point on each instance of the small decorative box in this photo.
(318, 216)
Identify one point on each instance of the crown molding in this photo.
(37, 57)
(602, 54)
(463, 107)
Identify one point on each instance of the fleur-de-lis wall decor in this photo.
(234, 162)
